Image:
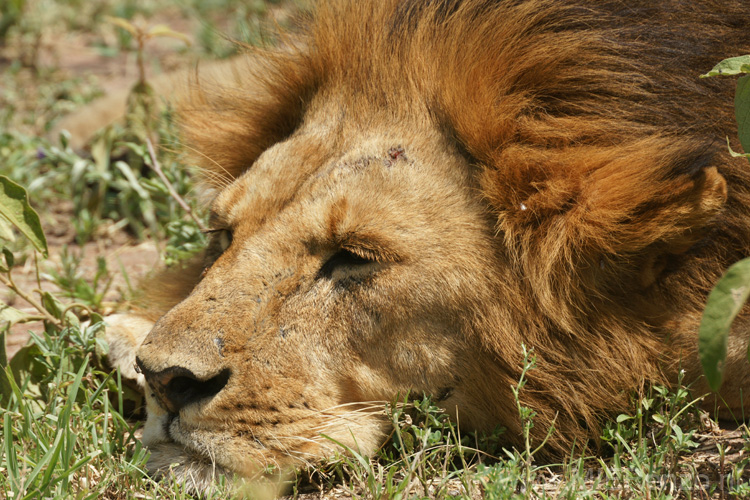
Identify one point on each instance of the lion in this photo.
(405, 193)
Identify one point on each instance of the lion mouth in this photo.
(192, 440)
(171, 417)
(171, 433)
(211, 446)
(186, 455)
(179, 451)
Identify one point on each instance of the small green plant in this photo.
(647, 445)
(142, 101)
(10, 13)
(16, 213)
(89, 292)
(516, 476)
(732, 291)
(527, 415)
(131, 195)
(426, 455)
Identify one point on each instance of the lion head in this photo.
(407, 192)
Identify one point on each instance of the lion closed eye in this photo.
(412, 190)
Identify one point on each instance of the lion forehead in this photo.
(313, 169)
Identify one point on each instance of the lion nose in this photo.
(177, 387)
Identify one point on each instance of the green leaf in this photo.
(162, 30)
(102, 346)
(7, 386)
(6, 230)
(3, 348)
(724, 303)
(677, 431)
(124, 24)
(132, 179)
(742, 111)
(730, 67)
(9, 259)
(13, 315)
(56, 309)
(15, 208)
(26, 360)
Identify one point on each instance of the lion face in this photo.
(336, 279)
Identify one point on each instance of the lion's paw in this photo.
(125, 333)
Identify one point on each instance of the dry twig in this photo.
(157, 168)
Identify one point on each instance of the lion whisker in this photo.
(292, 453)
(223, 181)
(336, 418)
(354, 403)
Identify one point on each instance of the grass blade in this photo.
(49, 460)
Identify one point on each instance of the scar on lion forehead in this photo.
(390, 158)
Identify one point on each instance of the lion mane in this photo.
(595, 155)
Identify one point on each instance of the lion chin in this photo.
(407, 192)
(198, 456)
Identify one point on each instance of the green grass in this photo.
(67, 421)
(63, 437)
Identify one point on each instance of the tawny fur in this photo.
(592, 186)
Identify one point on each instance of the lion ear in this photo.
(573, 212)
